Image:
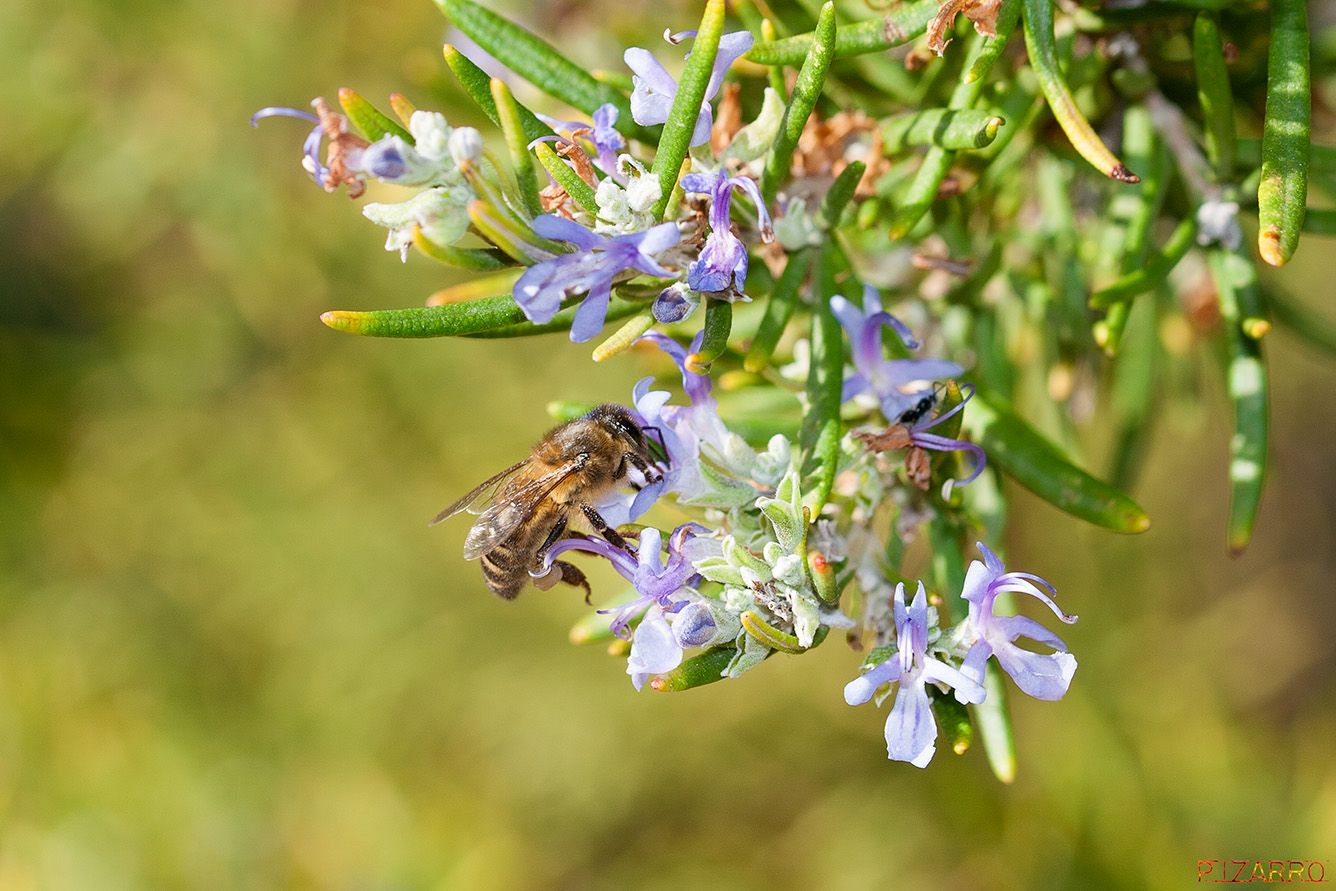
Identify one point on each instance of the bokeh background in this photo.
(232, 654)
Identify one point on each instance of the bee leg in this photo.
(602, 528)
(641, 465)
(571, 575)
(553, 536)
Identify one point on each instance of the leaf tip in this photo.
(1123, 175)
(1271, 246)
(340, 320)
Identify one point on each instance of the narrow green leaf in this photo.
(949, 128)
(993, 718)
(475, 259)
(562, 321)
(429, 321)
(718, 326)
(1008, 16)
(699, 670)
(479, 88)
(537, 61)
(905, 22)
(624, 336)
(568, 179)
(1286, 133)
(1026, 456)
(819, 437)
(1156, 270)
(948, 564)
(1136, 211)
(1236, 282)
(806, 91)
(778, 310)
(922, 190)
(1214, 94)
(840, 193)
(953, 719)
(768, 634)
(681, 123)
(1043, 49)
(368, 119)
(517, 143)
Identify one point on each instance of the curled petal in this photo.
(276, 111)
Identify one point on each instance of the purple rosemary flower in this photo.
(911, 731)
(1041, 675)
(662, 588)
(722, 264)
(343, 157)
(654, 88)
(591, 269)
(607, 141)
(892, 381)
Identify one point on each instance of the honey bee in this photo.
(528, 507)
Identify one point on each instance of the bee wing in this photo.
(476, 494)
(511, 509)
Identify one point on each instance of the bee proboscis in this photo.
(529, 506)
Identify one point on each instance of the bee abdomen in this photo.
(504, 571)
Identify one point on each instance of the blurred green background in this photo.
(232, 654)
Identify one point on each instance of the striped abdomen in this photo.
(505, 568)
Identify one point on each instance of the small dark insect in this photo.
(920, 410)
(527, 508)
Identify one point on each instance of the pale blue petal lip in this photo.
(911, 732)
(593, 311)
(861, 688)
(654, 649)
(1043, 676)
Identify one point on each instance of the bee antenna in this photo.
(663, 445)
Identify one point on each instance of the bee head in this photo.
(618, 422)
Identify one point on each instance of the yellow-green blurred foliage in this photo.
(232, 655)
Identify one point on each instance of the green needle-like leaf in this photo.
(1043, 49)
(1031, 460)
(681, 123)
(1214, 94)
(819, 437)
(367, 118)
(948, 128)
(1283, 192)
(993, 719)
(699, 670)
(1236, 281)
(905, 22)
(537, 61)
(806, 91)
(512, 128)
(778, 310)
(568, 179)
(1156, 270)
(479, 87)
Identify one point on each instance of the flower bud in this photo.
(465, 146)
